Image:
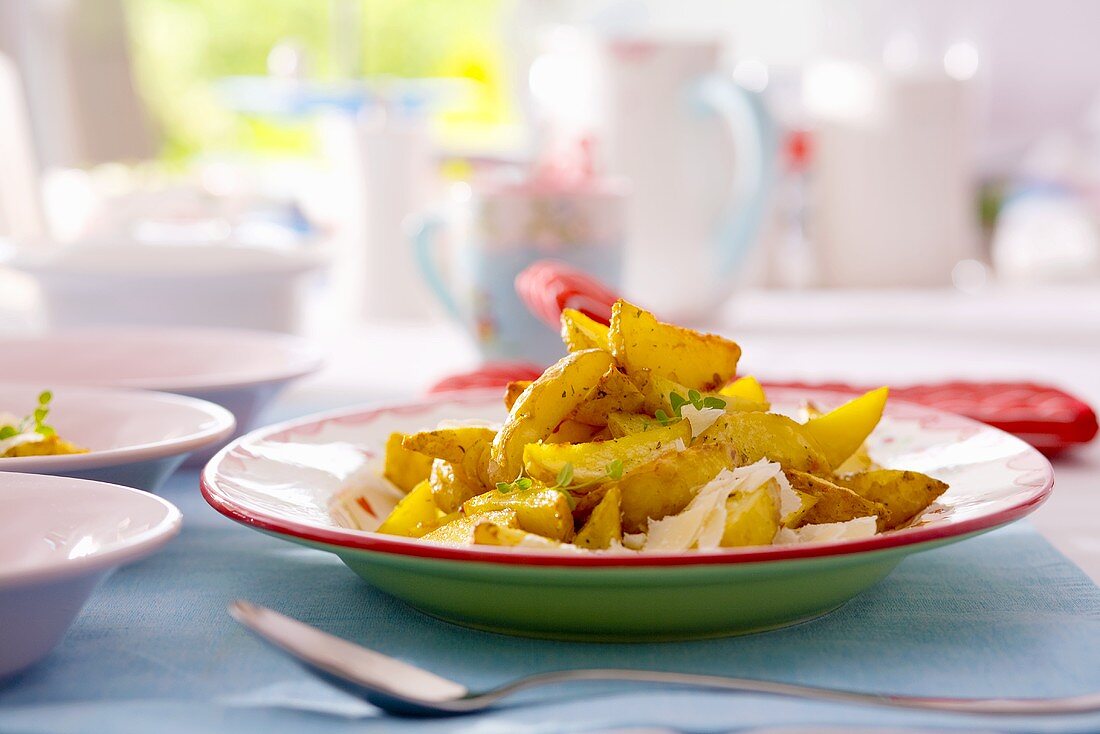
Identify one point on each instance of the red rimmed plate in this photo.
(281, 480)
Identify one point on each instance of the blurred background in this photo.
(321, 167)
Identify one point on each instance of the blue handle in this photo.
(755, 143)
(424, 234)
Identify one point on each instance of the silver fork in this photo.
(404, 689)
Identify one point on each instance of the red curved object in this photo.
(547, 287)
(493, 374)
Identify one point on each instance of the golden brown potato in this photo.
(571, 431)
(752, 518)
(842, 431)
(604, 527)
(490, 533)
(538, 510)
(580, 332)
(613, 393)
(415, 515)
(404, 467)
(460, 530)
(542, 407)
(657, 391)
(904, 494)
(767, 435)
(834, 503)
(626, 424)
(451, 485)
(513, 391)
(49, 446)
(640, 342)
(466, 447)
(748, 389)
(591, 461)
(667, 484)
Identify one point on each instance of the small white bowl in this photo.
(61, 537)
(135, 437)
(238, 369)
(204, 285)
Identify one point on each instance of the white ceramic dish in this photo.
(145, 284)
(135, 437)
(238, 369)
(59, 537)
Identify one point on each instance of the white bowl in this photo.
(60, 538)
(238, 369)
(135, 437)
(217, 285)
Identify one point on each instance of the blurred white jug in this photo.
(699, 152)
(893, 200)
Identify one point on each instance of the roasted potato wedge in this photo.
(604, 527)
(490, 533)
(451, 485)
(578, 331)
(904, 494)
(626, 424)
(752, 518)
(571, 431)
(513, 391)
(404, 467)
(614, 393)
(590, 461)
(768, 435)
(657, 393)
(415, 515)
(748, 389)
(466, 447)
(460, 531)
(841, 431)
(640, 342)
(539, 510)
(834, 503)
(793, 517)
(543, 406)
(667, 484)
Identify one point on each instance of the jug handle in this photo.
(755, 144)
(424, 233)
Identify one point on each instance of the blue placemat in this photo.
(154, 650)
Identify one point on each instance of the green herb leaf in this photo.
(695, 398)
(45, 397)
(713, 402)
(615, 469)
(504, 487)
(8, 432)
(45, 430)
(523, 483)
(565, 476)
(677, 401)
(663, 417)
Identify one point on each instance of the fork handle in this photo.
(1088, 703)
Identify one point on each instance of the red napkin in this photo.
(1044, 416)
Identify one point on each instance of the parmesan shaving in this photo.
(700, 418)
(860, 527)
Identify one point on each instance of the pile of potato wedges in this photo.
(626, 430)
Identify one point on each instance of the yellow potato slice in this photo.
(489, 533)
(626, 424)
(834, 503)
(746, 388)
(768, 436)
(657, 393)
(667, 484)
(539, 510)
(580, 332)
(513, 391)
(604, 527)
(460, 531)
(451, 485)
(752, 518)
(640, 342)
(403, 467)
(614, 393)
(841, 431)
(415, 515)
(466, 447)
(571, 431)
(591, 460)
(904, 494)
(542, 407)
